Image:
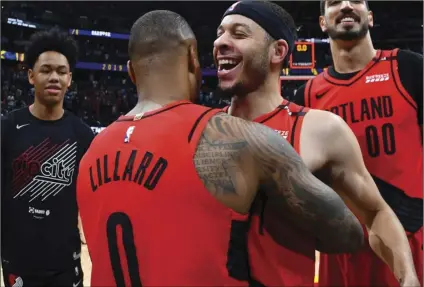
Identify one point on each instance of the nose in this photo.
(346, 6)
(54, 77)
(222, 43)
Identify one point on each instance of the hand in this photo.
(410, 281)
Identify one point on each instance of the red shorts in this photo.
(364, 268)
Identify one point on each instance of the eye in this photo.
(219, 33)
(239, 34)
(331, 3)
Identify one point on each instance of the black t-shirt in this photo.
(40, 162)
(410, 66)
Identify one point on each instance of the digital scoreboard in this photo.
(303, 56)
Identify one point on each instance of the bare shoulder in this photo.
(324, 127)
(332, 134)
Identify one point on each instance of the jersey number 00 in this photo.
(385, 138)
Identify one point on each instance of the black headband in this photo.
(265, 17)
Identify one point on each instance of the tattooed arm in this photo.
(234, 157)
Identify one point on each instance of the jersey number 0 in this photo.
(121, 219)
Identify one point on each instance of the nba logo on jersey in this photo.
(128, 134)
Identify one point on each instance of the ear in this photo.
(280, 51)
(31, 76)
(193, 59)
(131, 72)
(323, 24)
(371, 19)
(70, 79)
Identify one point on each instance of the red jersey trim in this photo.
(199, 125)
(358, 76)
(307, 95)
(297, 127)
(398, 83)
(196, 123)
(155, 112)
(265, 117)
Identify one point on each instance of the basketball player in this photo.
(253, 41)
(164, 192)
(41, 147)
(379, 95)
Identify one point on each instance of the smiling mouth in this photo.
(226, 65)
(348, 20)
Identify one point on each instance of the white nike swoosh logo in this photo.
(20, 126)
(76, 284)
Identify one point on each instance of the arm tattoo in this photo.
(223, 152)
(217, 156)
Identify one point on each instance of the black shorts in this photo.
(72, 277)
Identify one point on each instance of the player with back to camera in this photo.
(379, 93)
(165, 191)
(253, 41)
(41, 146)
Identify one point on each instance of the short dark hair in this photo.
(156, 32)
(51, 40)
(322, 6)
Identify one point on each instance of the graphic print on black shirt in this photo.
(42, 171)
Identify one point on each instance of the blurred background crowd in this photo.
(101, 89)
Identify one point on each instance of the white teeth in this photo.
(225, 61)
(348, 19)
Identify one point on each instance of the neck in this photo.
(262, 101)
(46, 113)
(156, 90)
(352, 56)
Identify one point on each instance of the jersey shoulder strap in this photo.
(308, 89)
(199, 125)
(388, 54)
(299, 112)
(398, 83)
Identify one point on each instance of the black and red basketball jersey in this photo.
(284, 255)
(383, 116)
(147, 217)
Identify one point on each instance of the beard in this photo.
(349, 35)
(228, 93)
(252, 77)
